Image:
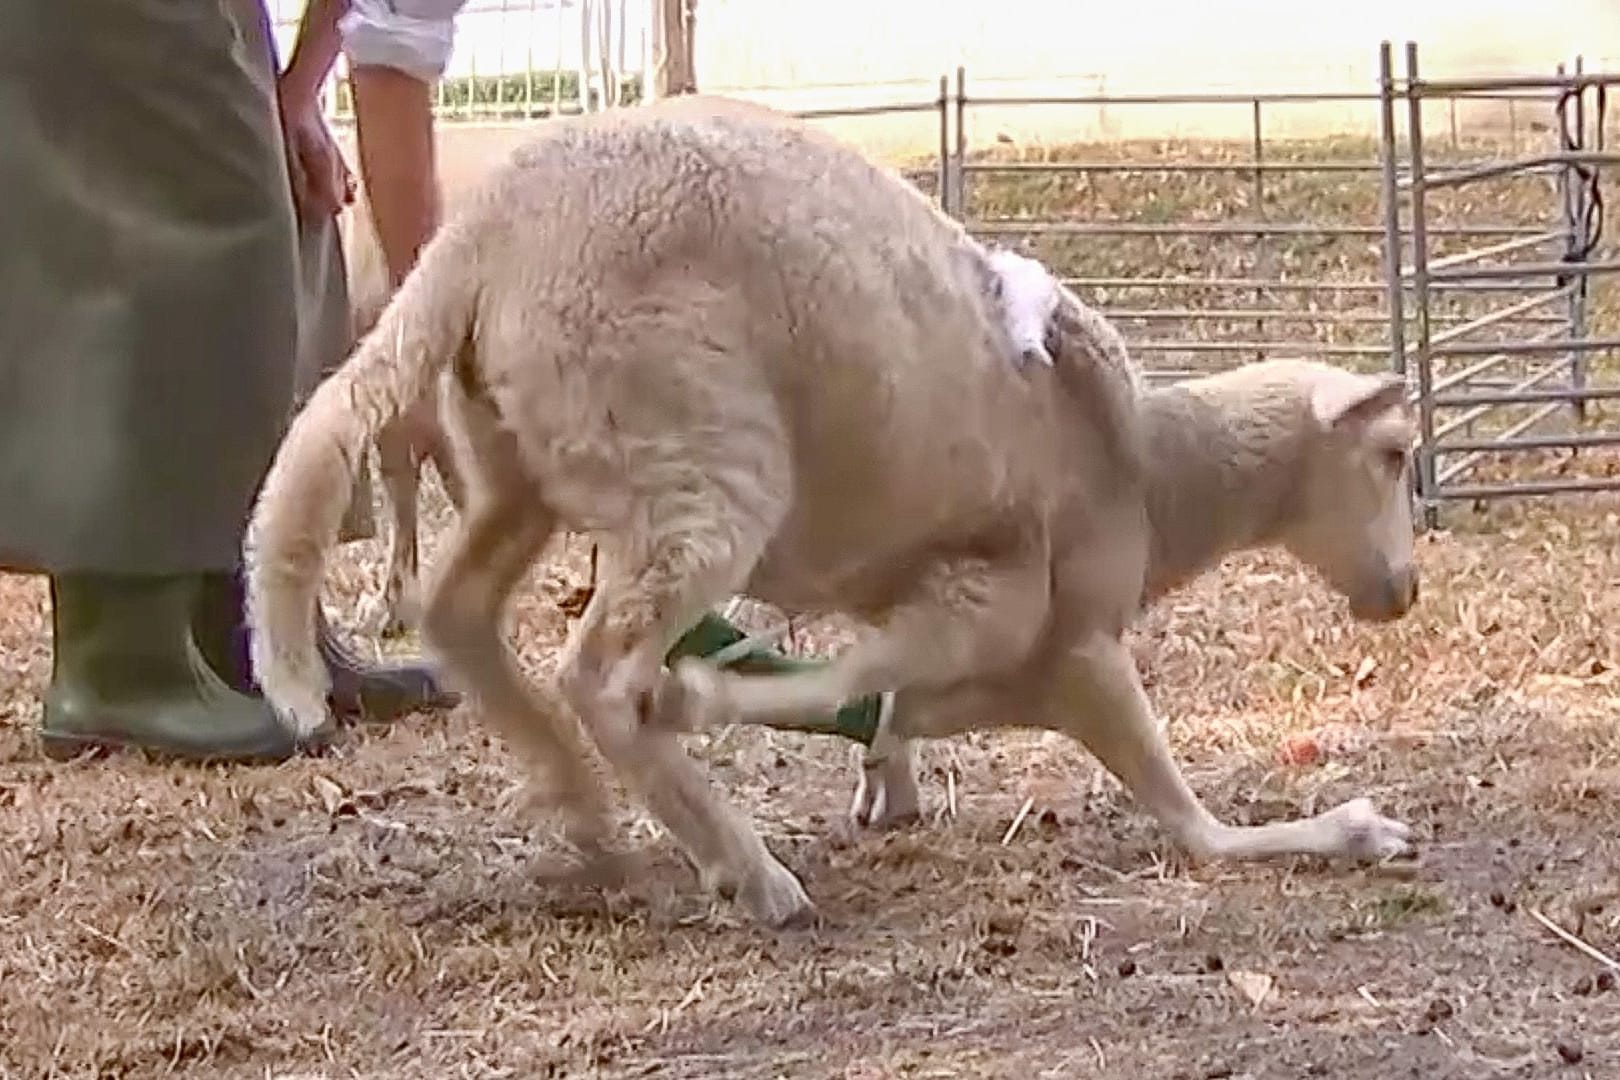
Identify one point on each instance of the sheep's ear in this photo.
(1340, 403)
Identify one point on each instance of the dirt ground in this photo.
(390, 910)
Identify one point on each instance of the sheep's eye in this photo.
(1394, 459)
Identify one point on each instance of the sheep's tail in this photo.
(300, 508)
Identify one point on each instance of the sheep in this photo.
(1292, 453)
(745, 359)
(1027, 291)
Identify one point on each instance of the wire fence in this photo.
(518, 60)
(1461, 245)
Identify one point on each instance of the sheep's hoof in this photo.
(875, 806)
(770, 893)
(1365, 834)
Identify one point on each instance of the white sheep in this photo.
(747, 360)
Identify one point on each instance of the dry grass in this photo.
(390, 912)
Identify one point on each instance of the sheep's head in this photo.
(1353, 522)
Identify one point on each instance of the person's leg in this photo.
(325, 332)
(127, 673)
(377, 693)
(142, 407)
(374, 692)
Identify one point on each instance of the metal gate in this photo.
(1517, 376)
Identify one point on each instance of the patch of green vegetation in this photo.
(524, 95)
(1407, 904)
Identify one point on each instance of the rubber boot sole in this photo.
(61, 747)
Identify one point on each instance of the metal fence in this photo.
(1465, 261)
(1458, 242)
(1516, 379)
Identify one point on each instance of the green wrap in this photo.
(156, 320)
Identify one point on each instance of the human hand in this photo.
(322, 184)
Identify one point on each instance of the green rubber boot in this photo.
(127, 673)
(857, 720)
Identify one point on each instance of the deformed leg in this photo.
(887, 795)
(964, 618)
(716, 640)
(1100, 701)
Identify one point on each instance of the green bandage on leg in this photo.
(856, 721)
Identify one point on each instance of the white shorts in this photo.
(413, 36)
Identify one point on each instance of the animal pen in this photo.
(393, 910)
(1488, 312)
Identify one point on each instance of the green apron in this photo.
(153, 299)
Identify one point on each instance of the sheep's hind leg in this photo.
(497, 542)
(611, 671)
(503, 527)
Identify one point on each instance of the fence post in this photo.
(1389, 163)
(959, 183)
(1577, 209)
(945, 143)
(1420, 292)
(1260, 246)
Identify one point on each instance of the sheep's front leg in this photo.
(1100, 701)
(887, 795)
(1095, 695)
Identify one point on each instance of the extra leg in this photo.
(403, 446)
(438, 451)
(964, 618)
